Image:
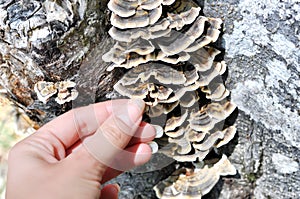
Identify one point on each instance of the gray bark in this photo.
(262, 54)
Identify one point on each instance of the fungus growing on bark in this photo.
(229, 134)
(139, 17)
(175, 122)
(44, 90)
(173, 67)
(193, 183)
(209, 115)
(65, 91)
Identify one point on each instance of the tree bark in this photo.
(262, 54)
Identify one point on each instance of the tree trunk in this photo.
(262, 54)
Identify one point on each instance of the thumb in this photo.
(114, 134)
(110, 191)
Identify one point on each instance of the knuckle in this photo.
(113, 134)
(15, 151)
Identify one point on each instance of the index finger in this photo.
(78, 123)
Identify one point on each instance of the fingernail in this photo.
(117, 187)
(139, 102)
(129, 114)
(158, 131)
(153, 146)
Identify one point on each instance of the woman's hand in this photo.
(71, 156)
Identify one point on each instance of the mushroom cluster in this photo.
(143, 35)
(64, 91)
(172, 65)
(193, 183)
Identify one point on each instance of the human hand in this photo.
(71, 156)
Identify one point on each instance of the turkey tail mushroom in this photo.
(64, 91)
(189, 183)
(172, 66)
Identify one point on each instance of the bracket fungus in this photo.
(64, 91)
(189, 183)
(173, 67)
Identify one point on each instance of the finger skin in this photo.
(112, 137)
(40, 160)
(65, 127)
(140, 154)
(144, 134)
(110, 191)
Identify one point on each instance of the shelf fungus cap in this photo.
(177, 42)
(208, 143)
(168, 2)
(211, 36)
(123, 8)
(160, 72)
(127, 8)
(183, 144)
(44, 90)
(175, 122)
(64, 89)
(193, 183)
(141, 18)
(206, 118)
(229, 134)
(184, 18)
(171, 151)
(216, 94)
(65, 96)
(161, 108)
(64, 85)
(159, 29)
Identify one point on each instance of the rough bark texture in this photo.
(262, 53)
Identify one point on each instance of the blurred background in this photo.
(14, 126)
